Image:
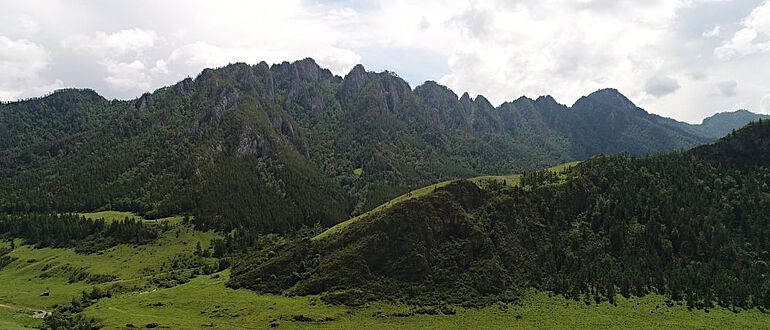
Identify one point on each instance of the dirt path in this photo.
(38, 313)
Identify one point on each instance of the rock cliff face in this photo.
(354, 81)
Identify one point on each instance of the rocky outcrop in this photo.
(265, 75)
(250, 144)
(144, 102)
(227, 100)
(354, 81)
(395, 90)
(288, 133)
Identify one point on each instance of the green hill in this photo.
(747, 147)
(676, 224)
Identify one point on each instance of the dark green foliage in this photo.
(672, 224)
(275, 148)
(73, 231)
(748, 147)
(76, 274)
(69, 316)
(428, 240)
(68, 321)
(352, 297)
(5, 259)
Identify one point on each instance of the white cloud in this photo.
(546, 47)
(759, 19)
(21, 64)
(727, 88)
(743, 43)
(752, 38)
(764, 104)
(344, 13)
(199, 55)
(661, 85)
(713, 33)
(18, 25)
(133, 75)
(339, 61)
(122, 56)
(114, 44)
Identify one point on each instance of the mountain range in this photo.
(278, 147)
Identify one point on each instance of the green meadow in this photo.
(110, 216)
(205, 302)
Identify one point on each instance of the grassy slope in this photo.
(21, 284)
(512, 179)
(412, 194)
(205, 301)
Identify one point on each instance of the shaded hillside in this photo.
(747, 147)
(671, 224)
(282, 146)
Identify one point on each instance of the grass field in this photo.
(37, 269)
(515, 179)
(205, 302)
(109, 216)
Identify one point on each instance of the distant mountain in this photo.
(282, 146)
(689, 225)
(723, 123)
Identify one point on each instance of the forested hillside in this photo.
(282, 146)
(689, 225)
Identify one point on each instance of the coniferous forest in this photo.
(689, 225)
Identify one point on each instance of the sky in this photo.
(685, 59)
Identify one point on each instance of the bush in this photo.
(351, 297)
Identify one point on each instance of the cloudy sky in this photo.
(683, 59)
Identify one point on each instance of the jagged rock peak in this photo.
(145, 101)
(357, 70)
(353, 81)
(432, 89)
(466, 103)
(482, 103)
(548, 99)
(523, 98)
(307, 69)
(547, 102)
